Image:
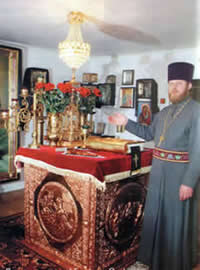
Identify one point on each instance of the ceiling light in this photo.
(73, 50)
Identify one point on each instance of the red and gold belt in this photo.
(171, 156)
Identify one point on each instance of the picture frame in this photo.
(127, 97)
(94, 77)
(10, 83)
(90, 86)
(128, 77)
(108, 95)
(146, 88)
(111, 78)
(144, 111)
(90, 77)
(34, 75)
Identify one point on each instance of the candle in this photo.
(120, 129)
(4, 114)
(24, 92)
(14, 101)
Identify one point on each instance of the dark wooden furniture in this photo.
(147, 90)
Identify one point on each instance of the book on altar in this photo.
(113, 144)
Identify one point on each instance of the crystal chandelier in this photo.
(73, 50)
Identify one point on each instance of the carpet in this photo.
(14, 254)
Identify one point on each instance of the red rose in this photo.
(97, 92)
(65, 87)
(84, 92)
(60, 86)
(39, 85)
(49, 86)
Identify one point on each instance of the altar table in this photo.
(81, 212)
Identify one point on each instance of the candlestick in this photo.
(34, 143)
(24, 92)
(4, 114)
(120, 129)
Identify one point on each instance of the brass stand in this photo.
(40, 131)
(71, 130)
(34, 144)
(84, 130)
(12, 119)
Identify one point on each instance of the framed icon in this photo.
(108, 94)
(111, 79)
(90, 77)
(144, 111)
(128, 77)
(34, 75)
(127, 97)
(10, 82)
(146, 88)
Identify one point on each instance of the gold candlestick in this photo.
(24, 114)
(24, 92)
(84, 132)
(34, 144)
(4, 117)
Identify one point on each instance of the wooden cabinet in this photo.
(147, 90)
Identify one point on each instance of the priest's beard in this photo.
(176, 97)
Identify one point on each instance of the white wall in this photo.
(146, 65)
(58, 72)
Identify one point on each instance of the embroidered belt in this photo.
(171, 156)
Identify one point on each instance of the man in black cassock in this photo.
(168, 235)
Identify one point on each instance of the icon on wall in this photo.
(127, 97)
(144, 111)
(127, 77)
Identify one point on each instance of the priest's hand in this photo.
(185, 192)
(118, 119)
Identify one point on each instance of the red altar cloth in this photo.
(106, 163)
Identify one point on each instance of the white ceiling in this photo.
(117, 26)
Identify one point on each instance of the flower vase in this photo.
(54, 128)
(83, 119)
(91, 124)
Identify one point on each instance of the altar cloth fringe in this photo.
(64, 172)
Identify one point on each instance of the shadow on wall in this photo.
(111, 68)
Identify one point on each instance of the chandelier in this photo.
(73, 50)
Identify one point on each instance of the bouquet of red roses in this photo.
(56, 99)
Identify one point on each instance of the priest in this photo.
(168, 235)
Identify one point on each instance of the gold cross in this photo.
(162, 138)
(136, 160)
